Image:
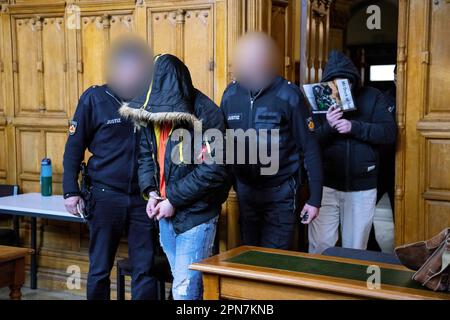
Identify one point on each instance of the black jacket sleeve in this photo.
(382, 129)
(77, 142)
(204, 178)
(307, 142)
(323, 129)
(146, 164)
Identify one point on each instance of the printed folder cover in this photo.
(324, 95)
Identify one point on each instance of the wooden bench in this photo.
(258, 273)
(12, 269)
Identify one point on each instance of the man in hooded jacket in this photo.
(185, 192)
(349, 143)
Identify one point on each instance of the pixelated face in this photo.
(255, 61)
(129, 67)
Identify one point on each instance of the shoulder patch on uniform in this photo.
(73, 127)
(310, 124)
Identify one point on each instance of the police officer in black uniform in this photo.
(115, 204)
(260, 99)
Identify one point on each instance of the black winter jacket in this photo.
(351, 161)
(197, 191)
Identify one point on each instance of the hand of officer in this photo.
(72, 203)
(310, 212)
(164, 210)
(151, 204)
(333, 115)
(343, 126)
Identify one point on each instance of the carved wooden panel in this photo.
(55, 61)
(33, 144)
(438, 155)
(162, 31)
(187, 33)
(437, 217)
(96, 33)
(437, 55)
(198, 48)
(29, 153)
(40, 65)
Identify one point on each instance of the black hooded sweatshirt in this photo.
(351, 160)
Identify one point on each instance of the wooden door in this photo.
(423, 157)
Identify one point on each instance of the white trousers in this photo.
(353, 211)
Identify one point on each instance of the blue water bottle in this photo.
(46, 177)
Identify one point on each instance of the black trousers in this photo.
(113, 213)
(268, 215)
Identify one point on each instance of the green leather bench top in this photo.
(329, 268)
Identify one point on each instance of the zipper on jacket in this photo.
(120, 102)
(252, 102)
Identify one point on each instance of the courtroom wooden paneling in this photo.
(7, 163)
(39, 65)
(2, 70)
(423, 174)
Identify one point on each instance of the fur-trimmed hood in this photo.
(171, 97)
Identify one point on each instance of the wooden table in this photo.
(258, 273)
(12, 269)
(34, 205)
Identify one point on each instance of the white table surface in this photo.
(37, 205)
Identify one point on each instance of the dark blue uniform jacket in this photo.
(280, 106)
(113, 142)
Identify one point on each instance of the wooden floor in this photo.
(41, 294)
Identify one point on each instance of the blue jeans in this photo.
(184, 249)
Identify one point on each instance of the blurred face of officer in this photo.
(256, 60)
(129, 67)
